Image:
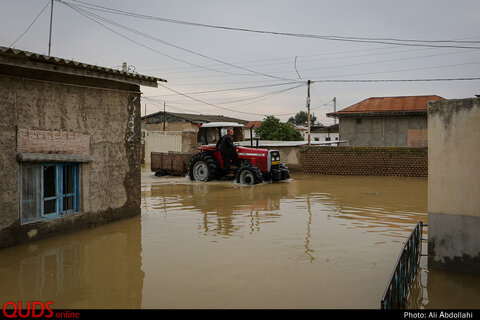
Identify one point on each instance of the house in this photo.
(181, 132)
(249, 129)
(183, 121)
(318, 133)
(302, 129)
(386, 121)
(322, 133)
(69, 145)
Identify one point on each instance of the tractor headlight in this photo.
(274, 158)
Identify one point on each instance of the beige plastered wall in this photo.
(454, 184)
(110, 184)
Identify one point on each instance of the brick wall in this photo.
(372, 161)
(189, 141)
(56, 142)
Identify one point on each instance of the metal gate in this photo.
(162, 141)
(398, 288)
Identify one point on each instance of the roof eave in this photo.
(376, 114)
(35, 61)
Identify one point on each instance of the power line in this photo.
(31, 24)
(388, 41)
(154, 102)
(398, 80)
(88, 16)
(237, 89)
(227, 109)
(288, 59)
(395, 60)
(264, 95)
(93, 16)
(406, 70)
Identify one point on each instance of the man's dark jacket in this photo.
(226, 147)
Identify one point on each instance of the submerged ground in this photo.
(310, 242)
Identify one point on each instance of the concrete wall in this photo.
(384, 131)
(454, 184)
(110, 183)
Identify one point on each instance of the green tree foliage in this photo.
(273, 129)
(301, 118)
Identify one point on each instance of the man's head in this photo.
(230, 131)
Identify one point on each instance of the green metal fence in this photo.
(396, 293)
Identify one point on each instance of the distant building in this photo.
(302, 129)
(183, 132)
(184, 121)
(321, 133)
(318, 133)
(250, 127)
(69, 145)
(386, 121)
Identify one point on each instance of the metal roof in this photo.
(221, 124)
(378, 105)
(16, 54)
(157, 117)
(254, 124)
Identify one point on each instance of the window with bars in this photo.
(48, 191)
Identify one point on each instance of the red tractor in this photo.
(252, 165)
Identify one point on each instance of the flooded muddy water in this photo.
(310, 242)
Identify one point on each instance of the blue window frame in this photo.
(48, 191)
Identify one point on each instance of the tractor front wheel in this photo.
(249, 174)
(202, 167)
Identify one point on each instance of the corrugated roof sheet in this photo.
(36, 57)
(389, 104)
(254, 124)
(193, 118)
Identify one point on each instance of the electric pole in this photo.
(50, 35)
(334, 109)
(164, 115)
(308, 107)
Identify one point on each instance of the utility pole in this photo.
(145, 118)
(334, 109)
(308, 107)
(50, 35)
(164, 116)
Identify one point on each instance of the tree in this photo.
(301, 118)
(273, 129)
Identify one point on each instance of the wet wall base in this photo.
(454, 242)
(18, 234)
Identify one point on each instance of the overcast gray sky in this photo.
(248, 75)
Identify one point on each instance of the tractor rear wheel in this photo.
(202, 167)
(249, 174)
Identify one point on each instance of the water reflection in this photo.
(96, 268)
(431, 285)
(223, 205)
(377, 204)
(311, 242)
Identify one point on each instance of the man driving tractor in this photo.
(227, 149)
(252, 165)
